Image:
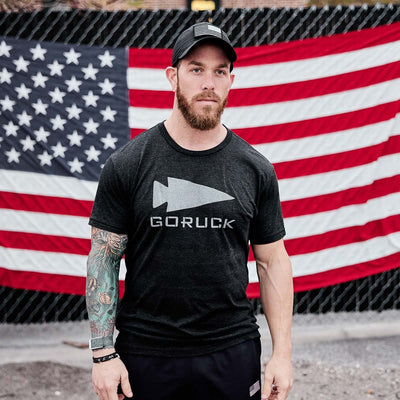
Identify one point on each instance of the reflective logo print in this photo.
(181, 194)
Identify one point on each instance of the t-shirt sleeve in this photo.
(268, 226)
(110, 208)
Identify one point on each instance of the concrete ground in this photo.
(341, 355)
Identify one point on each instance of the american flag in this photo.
(325, 112)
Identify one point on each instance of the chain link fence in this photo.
(159, 29)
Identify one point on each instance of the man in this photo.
(182, 201)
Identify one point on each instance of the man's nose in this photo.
(208, 82)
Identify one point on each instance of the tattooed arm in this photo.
(101, 300)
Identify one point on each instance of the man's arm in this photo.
(276, 289)
(101, 301)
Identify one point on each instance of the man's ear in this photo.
(172, 75)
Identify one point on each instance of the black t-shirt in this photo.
(189, 217)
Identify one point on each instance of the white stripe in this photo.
(46, 185)
(344, 217)
(346, 255)
(288, 111)
(47, 262)
(331, 143)
(44, 224)
(284, 72)
(336, 181)
(339, 257)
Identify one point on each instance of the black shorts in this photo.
(230, 374)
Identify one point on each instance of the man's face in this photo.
(203, 84)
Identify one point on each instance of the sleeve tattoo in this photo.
(102, 280)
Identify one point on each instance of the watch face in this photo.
(101, 342)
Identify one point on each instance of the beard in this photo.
(209, 118)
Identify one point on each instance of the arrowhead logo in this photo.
(181, 194)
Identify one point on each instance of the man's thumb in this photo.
(266, 390)
(126, 386)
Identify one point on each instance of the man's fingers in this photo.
(125, 385)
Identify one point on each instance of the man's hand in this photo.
(278, 379)
(106, 377)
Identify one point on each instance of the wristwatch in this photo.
(101, 342)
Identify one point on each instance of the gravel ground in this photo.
(334, 356)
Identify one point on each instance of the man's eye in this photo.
(196, 70)
(221, 72)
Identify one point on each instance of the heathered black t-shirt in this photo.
(189, 217)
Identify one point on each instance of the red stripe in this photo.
(279, 93)
(336, 276)
(332, 201)
(45, 204)
(76, 285)
(283, 52)
(340, 237)
(313, 127)
(319, 126)
(334, 162)
(46, 282)
(38, 242)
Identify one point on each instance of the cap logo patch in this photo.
(214, 28)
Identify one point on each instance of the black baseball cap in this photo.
(198, 33)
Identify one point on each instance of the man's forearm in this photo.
(102, 281)
(276, 290)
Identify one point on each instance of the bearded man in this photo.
(182, 201)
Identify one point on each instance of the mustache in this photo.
(207, 96)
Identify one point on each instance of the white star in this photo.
(59, 150)
(73, 111)
(57, 96)
(91, 126)
(23, 92)
(76, 165)
(90, 99)
(28, 144)
(39, 80)
(72, 56)
(107, 86)
(41, 135)
(55, 68)
(5, 76)
(21, 64)
(45, 158)
(11, 129)
(24, 119)
(58, 122)
(4, 49)
(106, 59)
(1, 139)
(108, 114)
(13, 155)
(40, 107)
(38, 52)
(73, 84)
(90, 72)
(7, 104)
(75, 139)
(92, 154)
(109, 141)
